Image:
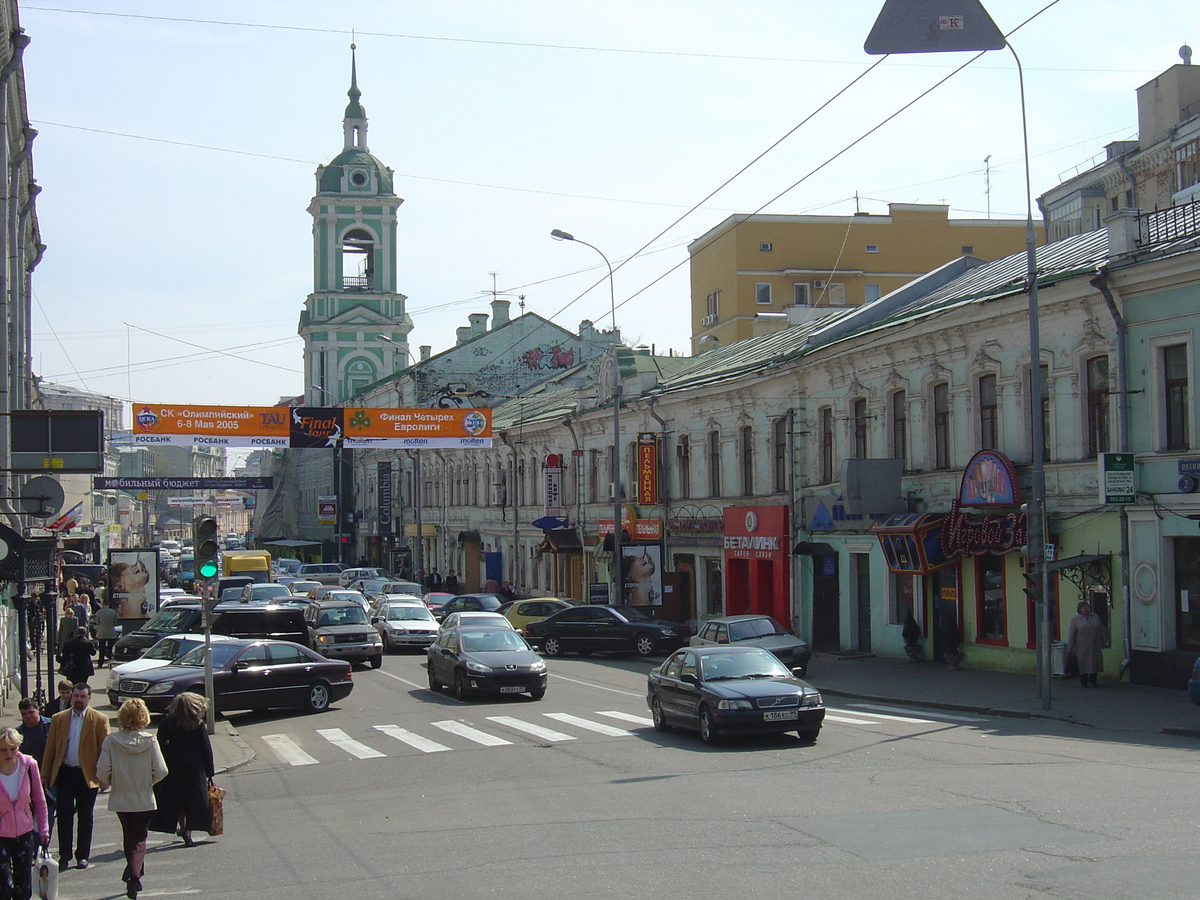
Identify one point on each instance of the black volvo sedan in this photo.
(732, 690)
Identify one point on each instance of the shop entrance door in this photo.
(827, 624)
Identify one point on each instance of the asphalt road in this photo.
(401, 792)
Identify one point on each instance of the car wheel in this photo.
(538, 694)
(434, 684)
(460, 686)
(318, 697)
(708, 728)
(645, 645)
(809, 735)
(660, 718)
(552, 646)
(377, 661)
(114, 700)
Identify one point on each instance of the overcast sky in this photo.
(178, 144)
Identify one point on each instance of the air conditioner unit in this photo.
(710, 319)
(818, 284)
(612, 494)
(497, 497)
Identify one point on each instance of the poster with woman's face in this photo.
(133, 582)
(641, 575)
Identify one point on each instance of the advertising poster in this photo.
(641, 574)
(133, 582)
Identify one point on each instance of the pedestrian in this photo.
(22, 812)
(62, 701)
(132, 763)
(66, 630)
(77, 657)
(106, 631)
(34, 729)
(491, 586)
(183, 795)
(1085, 637)
(451, 582)
(72, 748)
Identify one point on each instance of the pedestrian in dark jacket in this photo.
(77, 657)
(182, 796)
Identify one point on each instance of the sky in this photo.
(178, 144)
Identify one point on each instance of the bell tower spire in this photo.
(354, 124)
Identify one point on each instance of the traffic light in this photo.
(204, 547)
(1033, 587)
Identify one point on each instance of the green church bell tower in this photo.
(354, 297)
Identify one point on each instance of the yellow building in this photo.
(752, 274)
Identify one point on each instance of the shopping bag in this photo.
(45, 875)
(216, 810)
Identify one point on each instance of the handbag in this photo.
(45, 875)
(216, 810)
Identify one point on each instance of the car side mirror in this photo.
(798, 673)
(689, 678)
(238, 666)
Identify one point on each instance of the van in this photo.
(243, 620)
(255, 563)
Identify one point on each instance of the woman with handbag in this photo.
(183, 795)
(131, 762)
(24, 825)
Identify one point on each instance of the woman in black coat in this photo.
(182, 796)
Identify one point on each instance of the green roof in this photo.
(331, 175)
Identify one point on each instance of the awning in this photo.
(290, 544)
(561, 539)
(912, 542)
(469, 537)
(813, 548)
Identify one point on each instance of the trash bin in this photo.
(1058, 659)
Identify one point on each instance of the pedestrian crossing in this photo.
(551, 728)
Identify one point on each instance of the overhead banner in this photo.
(298, 427)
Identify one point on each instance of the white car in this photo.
(353, 574)
(405, 625)
(162, 654)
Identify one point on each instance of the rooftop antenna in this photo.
(987, 182)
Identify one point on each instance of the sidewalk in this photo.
(1113, 705)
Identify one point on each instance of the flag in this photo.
(67, 520)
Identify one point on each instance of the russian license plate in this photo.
(780, 715)
(512, 690)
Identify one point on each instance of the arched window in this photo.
(358, 260)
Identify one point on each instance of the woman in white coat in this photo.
(1085, 639)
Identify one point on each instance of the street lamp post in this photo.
(922, 26)
(560, 235)
(418, 545)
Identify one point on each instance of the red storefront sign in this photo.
(647, 468)
(757, 574)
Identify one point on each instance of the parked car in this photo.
(159, 656)
(468, 603)
(475, 618)
(247, 674)
(588, 629)
(326, 573)
(405, 625)
(485, 661)
(1194, 684)
(756, 631)
(521, 612)
(722, 690)
(261, 592)
(338, 628)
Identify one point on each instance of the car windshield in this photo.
(221, 654)
(167, 621)
(267, 591)
(343, 615)
(405, 613)
(754, 628)
(729, 666)
(168, 648)
(492, 641)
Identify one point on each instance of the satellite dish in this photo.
(41, 497)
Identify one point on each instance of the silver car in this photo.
(755, 631)
(405, 625)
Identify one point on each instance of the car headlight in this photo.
(479, 668)
(734, 704)
(811, 698)
(114, 680)
(399, 629)
(324, 639)
(538, 667)
(163, 687)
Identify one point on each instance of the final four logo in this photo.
(474, 422)
(146, 419)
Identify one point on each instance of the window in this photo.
(941, 426)
(837, 293)
(766, 246)
(968, 249)
(902, 599)
(987, 412)
(593, 476)
(871, 293)
(714, 464)
(779, 452)
(900, 425)
(746, 451)
(800, 293)
(860, 429)
(1097, 406)
(1045, 386)
(826, 431)
(1187, 165)
(683, 454)
(1175, 395)
(989, 591)
(712, 304)
(762, 294)
(872, 248)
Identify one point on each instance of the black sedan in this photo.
(468, 603)
(588, 629)
(732, 690)
(247, 674)
(482, 660)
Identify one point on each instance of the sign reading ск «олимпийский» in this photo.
(284, 426)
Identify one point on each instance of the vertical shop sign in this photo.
(384, 481)
(647, 468)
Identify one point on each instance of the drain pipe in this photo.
(1101, 284)
(664, 485)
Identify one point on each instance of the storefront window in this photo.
(989, 589)
(903, 599)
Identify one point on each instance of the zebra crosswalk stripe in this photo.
(287, 750)
(598, 727)
(471, 734)
(546, 734)
(339, 738)
(413, 740)
(625, 717)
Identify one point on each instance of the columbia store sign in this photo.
(294, 427)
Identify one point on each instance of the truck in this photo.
(256, 563)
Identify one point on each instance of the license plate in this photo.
(512, 690)
(780, 715)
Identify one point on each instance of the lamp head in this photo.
(559, 235)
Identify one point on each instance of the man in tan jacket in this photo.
(69, 765)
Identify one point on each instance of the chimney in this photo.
(499, 313)
(478, 323)
(1122, 227)
(426, 351)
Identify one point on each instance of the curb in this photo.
(247, 751)
(934, 704)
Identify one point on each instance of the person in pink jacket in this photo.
(22, 811)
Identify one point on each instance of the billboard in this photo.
(133, 582)
(641, 575)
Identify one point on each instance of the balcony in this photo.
(361, 283)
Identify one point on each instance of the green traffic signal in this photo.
(204, 546)
(208, 568)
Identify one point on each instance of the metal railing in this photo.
(1170, 224)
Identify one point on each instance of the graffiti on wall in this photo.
(547, 356)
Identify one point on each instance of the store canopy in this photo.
(911, 542)
(561, 539)
(813, 548)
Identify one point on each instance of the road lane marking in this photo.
(287, 750)
(868, 707)
(339, 738)
(625, 717)
(598, 727)
(546, 734)
(413, 740)
(598, 687)
(471, 734)
(879, 715)
(847, 720)
(404, 680)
